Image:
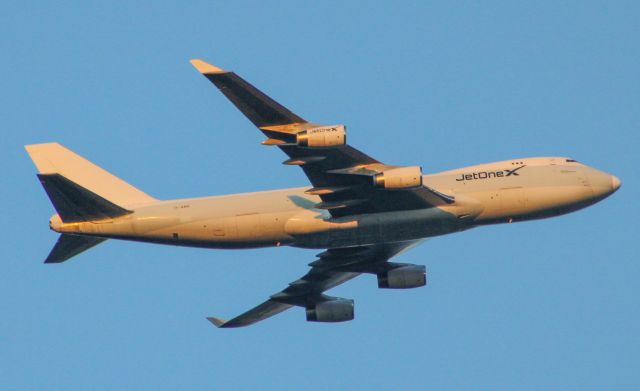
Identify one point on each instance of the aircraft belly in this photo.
(236, 231)
(310, 232)
(504, 202)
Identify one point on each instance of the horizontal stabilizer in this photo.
(74, 203)
(69, 246)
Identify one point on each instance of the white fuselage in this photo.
(507, 191)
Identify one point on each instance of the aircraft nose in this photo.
(602, 183)
(615, 183)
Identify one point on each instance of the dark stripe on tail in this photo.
(74, 203)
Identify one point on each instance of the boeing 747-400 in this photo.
(360, 211)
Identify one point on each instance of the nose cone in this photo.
(603, 184)
(615, 183)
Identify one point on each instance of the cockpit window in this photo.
(572, 161)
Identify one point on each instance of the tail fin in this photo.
(53, 158)
(68, 246)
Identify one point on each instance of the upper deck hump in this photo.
(530, 161)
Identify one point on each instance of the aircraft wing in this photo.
(342, 176)
(332, 268)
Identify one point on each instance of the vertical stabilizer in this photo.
(53, 158)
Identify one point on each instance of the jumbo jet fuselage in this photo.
(501, 192)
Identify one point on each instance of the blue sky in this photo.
(550, 304)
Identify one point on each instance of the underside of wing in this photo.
(332, 268)
(346, 180)
(256, 314)
(254, 104)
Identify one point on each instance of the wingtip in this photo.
(216, 321)
(31, 147)
(205, 68)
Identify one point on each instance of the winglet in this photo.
(205, 68)
(217, 321)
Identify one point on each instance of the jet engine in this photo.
(399, 178)
(322, 137)
(336, 310)
(403, 277)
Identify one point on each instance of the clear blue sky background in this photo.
(550, 304)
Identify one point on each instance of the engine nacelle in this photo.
(410, 276)
(322, 137)
(399, 178)
(337, 310)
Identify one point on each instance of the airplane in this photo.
(360, 211)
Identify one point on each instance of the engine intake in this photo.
(322, 137)
(404, 277)
(337, 310)
(399, 178)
